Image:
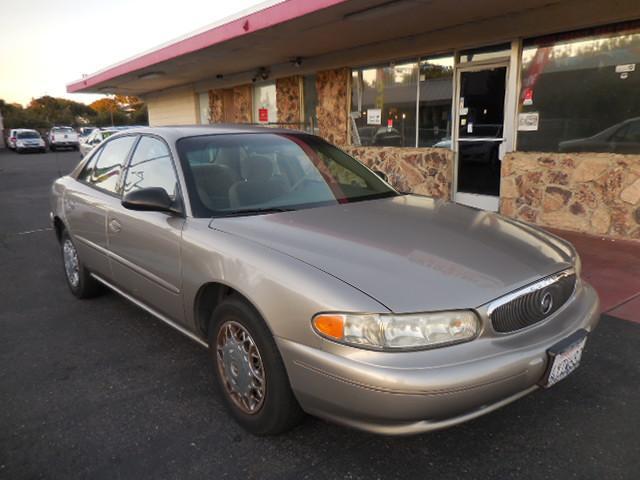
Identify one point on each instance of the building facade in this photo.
(532, 110)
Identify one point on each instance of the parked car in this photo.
(84, 132)
(97, 136)
(29, 141)
(315, 285)
(63, 137)
(12, 138)
(623, 137)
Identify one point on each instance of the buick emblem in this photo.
(546, 303)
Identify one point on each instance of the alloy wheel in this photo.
(240, 367)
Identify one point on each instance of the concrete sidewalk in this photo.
(613, 268)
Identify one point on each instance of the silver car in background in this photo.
(315, 285)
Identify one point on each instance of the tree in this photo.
(120, 110)
(45, 112)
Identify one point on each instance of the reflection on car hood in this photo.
(411, 253)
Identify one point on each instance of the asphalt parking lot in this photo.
(100, 389)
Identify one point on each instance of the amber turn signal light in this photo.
(331, 326)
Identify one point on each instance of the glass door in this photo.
(480, 135)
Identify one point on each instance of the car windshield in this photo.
(62, 129)
(28, 135)
(257, 173)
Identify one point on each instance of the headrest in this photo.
(259, 168)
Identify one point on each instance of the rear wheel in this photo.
(250, 371)
(79, 280)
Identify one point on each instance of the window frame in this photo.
(97, 154)
(179, 200)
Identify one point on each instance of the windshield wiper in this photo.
(253, 211)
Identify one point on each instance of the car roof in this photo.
(180, 131)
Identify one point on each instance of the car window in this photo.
(109, 164)
(632, 133)
(87, 171)
(28, 135)
(151, 166)
(256, 172)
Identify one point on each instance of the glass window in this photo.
(495, 52)
(264, 103)
(203, 102)
(107, 170)
(278, 172)
(151, 166)
(580, 93)
(436, 94)
(28, 134)
(383, 109)
(87, 171)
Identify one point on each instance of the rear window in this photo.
(62, 129)
(28, 135)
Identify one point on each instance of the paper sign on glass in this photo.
(626, 68)
(374, 116)
(528, 122)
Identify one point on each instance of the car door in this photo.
(86, 205)
(145, 246)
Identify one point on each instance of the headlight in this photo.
(398, 332)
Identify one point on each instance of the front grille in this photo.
(532, 304)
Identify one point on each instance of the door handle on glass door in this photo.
(114, 225)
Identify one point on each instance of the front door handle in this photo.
(114, 226)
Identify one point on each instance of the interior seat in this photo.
(260, 184)
(213, 183)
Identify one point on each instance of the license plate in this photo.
(564, 358)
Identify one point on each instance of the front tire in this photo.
(79, 280)
(250, 371)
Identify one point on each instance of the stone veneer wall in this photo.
(288, 100)
(595, 193)
(216, 106)
(242, 101)
(426, 171)
(333, 104)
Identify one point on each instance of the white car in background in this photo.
(63, 137)
(29, 141)
(97, 136)
(12, 137)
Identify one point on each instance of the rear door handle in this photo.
(114, 226)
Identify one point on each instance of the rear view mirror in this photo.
(152, 199)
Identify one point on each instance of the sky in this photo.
(45, 44)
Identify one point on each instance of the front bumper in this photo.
(403, 393)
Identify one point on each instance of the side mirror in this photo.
(382, 175)
(152, 199)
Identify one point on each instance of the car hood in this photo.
(411, 253)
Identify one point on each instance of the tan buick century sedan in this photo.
(315, 285)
